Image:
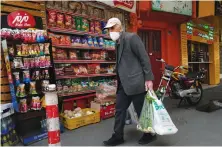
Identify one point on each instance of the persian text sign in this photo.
(21, 19)
(127, 5)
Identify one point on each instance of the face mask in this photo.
(114, 35)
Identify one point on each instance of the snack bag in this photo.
(36, 103)
(84, 42)
(92, 27)
(21, 90)
(23, 107)
(98, 29)
(101, 42)
(90, 41)
(60, 20)
(85, 25)
(68, 21)
(41, 49)
(51, 18)
(105, 31)
(19, 50)
(78, 21)
(73, 55)
(17, 78)
(46, 48)
(26, 77)
(95, 42)
(32, 88)
(76, 41)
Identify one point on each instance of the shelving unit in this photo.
(68, 97)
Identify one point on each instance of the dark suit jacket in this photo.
(134, 66)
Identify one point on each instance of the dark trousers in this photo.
(122, 103)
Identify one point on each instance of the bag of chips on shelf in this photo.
(105, 90)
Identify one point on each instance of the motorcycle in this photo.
(186, 87)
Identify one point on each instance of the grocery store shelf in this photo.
(75, 32)
(82, 61)
(75, 14)
(79, 97)
(76, 93)
(84, 76)
(81, 47)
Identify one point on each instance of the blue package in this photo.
(90, 41)
(95, 42)
(101, 42)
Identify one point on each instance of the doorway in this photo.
(152, 43)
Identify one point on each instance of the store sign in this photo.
(127, 5)
(172, 6)
(21, 19)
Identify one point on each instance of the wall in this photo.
(202, 12)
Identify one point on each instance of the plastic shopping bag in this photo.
(162, 124)
(133, 114)
(145, 123)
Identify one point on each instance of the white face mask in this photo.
(114, 35)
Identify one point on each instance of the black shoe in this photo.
(147, 138)
(114, 141)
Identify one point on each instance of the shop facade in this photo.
(158, 26)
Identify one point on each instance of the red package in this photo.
(92, 27)
(51, 18)
(60, 20)
(55, 38)
(68, 21)
(67, 40)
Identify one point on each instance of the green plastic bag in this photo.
(146, 117)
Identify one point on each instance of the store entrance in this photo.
(152, 42)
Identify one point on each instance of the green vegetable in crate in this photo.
(146, 117)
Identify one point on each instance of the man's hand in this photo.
(149, 85)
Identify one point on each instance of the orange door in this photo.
(152, 42)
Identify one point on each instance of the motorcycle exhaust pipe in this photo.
(189, 93)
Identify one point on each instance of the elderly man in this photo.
(134, 76)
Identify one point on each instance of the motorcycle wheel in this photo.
(196, 100)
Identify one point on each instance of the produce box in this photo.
(107, 109)
(74, 123)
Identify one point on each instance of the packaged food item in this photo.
(59, 86)
(83, 69)
(85, 25)
(25, 49)
(61, 54)
(78, 21)
(50, 4)
(92, 27)
(90, 41)
(36, 62)
(65, 5)
(34, 36)
(16, 34)
(76, 41)
(96, 12)
(98, 29)
(36, 103)
(84, 42)
(95, 42)
(19, 50)
(104, 55)
(75, 7)
(6, 33)
(67, 40)
(26, 63)
(32, 89)
(112, 45)
(36, 49)
(93, 68)
(104, 31)
(51, 18)
(106, 44)
(36, 75)
(18, 62)
(55, 39)
(86, 56)
(84, 8)
(60, 20)
(101, 42)
(26, 76)
(41, 49)
(42, 61)
(23, 107)
(90, 11)
(58, 5)
(76, 70)
(21, 90)
(17, 78)
(73, 55)
(32, 62)
(47, 61)
(68, 21)
(46, 74)
(46, 48)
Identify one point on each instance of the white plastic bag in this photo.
(163, 125)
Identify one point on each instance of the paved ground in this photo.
(195, 128)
